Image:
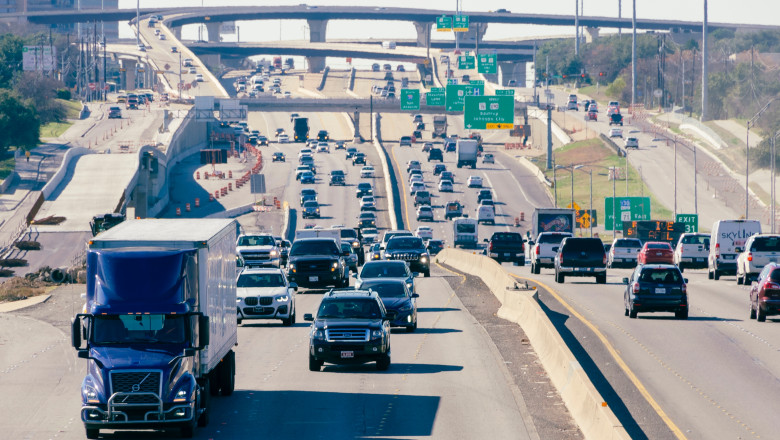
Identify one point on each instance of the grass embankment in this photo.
(55, 129)
(7, 166)
(594, 156)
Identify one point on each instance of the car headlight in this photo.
(283, 298)
(409, 285)
(292, 267)
(355, 244)
(239, 299)
(181, 396)
(334, 266)
(318, 335)
(423, 259)
(274, 253)
(90, 395)
(375, 334)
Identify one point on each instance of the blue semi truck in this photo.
(159, 325)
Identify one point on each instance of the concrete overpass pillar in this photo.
(423, 33)
(591, 34)
(212, 29)
(476, 33)
(356, 120)
(317, 30)
(508, 70)
(176, 32)
(129, 73)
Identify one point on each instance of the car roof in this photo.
(350, 293)
(261, 270)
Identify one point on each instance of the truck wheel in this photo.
(535, 269)
(761, 314)
(93, 433)
(601, 279)
(427, 273)
(739, 279)
(752, 310)
(383, 363)
(188, 430)
(204, 404)
(228, 373)
(681, 314)
(238, 321)
(715, 275)
(709, 274)
(314, 363)
(213, 380)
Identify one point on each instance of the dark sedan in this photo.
(396, 297)
(765, 293)
(656, 288)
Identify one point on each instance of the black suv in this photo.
(656, 288)
(317, 262)
(581, 257)
(435, 154)
(351, 327)
(359, 158)
(364, 189)
(439, 168)
(323, 135)
(409, 249)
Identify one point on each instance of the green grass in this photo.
(594, 155)
(73, 108)
(54, 129)
(6, 167)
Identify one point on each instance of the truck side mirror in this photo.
(203, 332)
(294, 286)
(625, 280)
(75, 332)
(308, 317)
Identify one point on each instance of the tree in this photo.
(19, 122)
(10, 58)
(41, 91)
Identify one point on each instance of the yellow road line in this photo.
(462, 277)
(635, 380)
(403, 191)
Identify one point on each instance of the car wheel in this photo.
(238, 321)
(601, 279)
(740, 280)
(287, 322)
(681, 314)
(752, 310)
(535, 269)
(682, 269)
(761, 314)
(383, 363)
(632, 313)
(412, 328)
(709, 274)
(314, 363)
(427, 273)
(715, 275)
(625, 312)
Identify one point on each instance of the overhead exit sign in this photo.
(486, 63)
(443, 24)
(460, 23)
(410, 99)
(489, 112)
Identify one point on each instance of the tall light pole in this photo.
(675, 176)
(620, 15)
(576, 27)
(633, 55)
(774, 174)
(751, 122)
(704, 59)
(137, 22)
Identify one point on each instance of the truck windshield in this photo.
(405, 243)
(465, 228)
(349, 309)
(260, 280)
(318, 247)
(256, 240)
(126, 329)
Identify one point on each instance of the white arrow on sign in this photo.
(468, 126)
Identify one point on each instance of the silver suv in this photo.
(623, 252)
(692, 251)
(544, 250)
(760, 250)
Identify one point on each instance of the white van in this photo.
(465, 230)
(486, 214)
(726, 242)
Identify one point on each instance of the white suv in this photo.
(544, 250)
(632, 142)
(760, 250)
(692, 251)
(265, 294)
(623, 252)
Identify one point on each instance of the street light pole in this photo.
(675, 176)
(774, 175)
(751, 122)
(695, 183)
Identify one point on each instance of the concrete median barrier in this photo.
(585, 403)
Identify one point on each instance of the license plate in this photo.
(660, 290)
(617, 260)
(700, 260)
(259, 309)
(658, 254)
(347, 354)
(546, 260)
(314, 279)
(728, 257)
(507, 254)
(687, 260)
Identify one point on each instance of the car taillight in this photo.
(491, 247)
(750, 256)
(537, 250)
(635, 287)
(770, 285)
(604, 260)
(717, 250)
(684, 288)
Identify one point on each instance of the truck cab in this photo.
(465, 231)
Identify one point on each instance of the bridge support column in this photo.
(317, 30)
(212, 29)
(129, 73)
(591, 34)
(474, 36)
(176, 32)
(423, 33)
(356, 120)
(508, 70)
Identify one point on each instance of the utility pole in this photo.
(137, 23)
(633, 55)
(576, 27)
(620, 12)
(704, 70)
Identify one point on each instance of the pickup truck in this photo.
(507, 246)
(544, 250)
(581, 257)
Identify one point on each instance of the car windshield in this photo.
(256, 240)
(348, 233)
(507, 236)
(310, 204)
(666, 276)
(349, 308)
(551, 238)
(260, 280)
(387, 289)
(696, 239)
(383, 270)
(658, 246)
(466, 228)
(628, 242)
(346, 247)
(399, 243)
(144, 329)
(766, 244)
(314, 247)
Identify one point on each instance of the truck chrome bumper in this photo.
(118, 414)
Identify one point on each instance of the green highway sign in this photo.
(505, 92)
(486, 63)
(410, 99)
(456, 94)
(435, 99)
(460, 23)
(443, 24)
(466, 62)
(441, 90)
(626, 209)
(691, 221)
(452, 81)
(477, 82)
(489, 112)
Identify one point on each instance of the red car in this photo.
(765, 293)
(656, 252)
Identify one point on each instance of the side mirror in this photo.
(203, 332)
(75, 332)
(308, 317)
(625, 280)
(415, 295)
(294, 286)
(354, 275)
(415, 274)
(485, 240)
(685, 280)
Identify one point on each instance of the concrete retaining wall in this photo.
(535, 170)
(70, 156)
(584, 402)
(393, 213)
(324, 78)
(8, 180)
